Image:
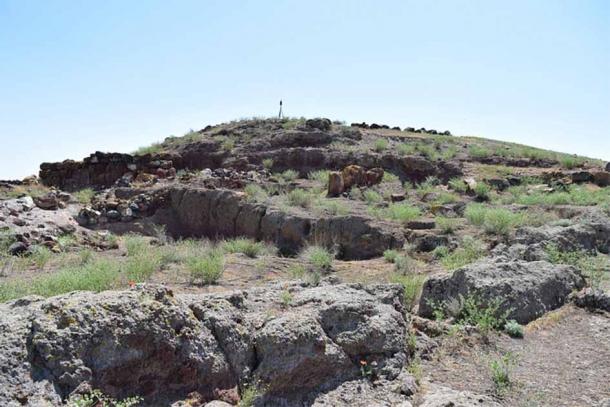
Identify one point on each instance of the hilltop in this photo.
(308, 262)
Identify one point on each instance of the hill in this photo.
(308, 262)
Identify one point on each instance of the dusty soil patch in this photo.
(564, 360)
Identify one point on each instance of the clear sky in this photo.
(80, 76)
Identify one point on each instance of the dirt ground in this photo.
(562, 361)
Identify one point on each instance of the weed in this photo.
(447, 225)
(299, 197)
(268, 163)
(320, 176)
(98, 399)
(380, 145)
(246, 246)
(206, 269)
(297, 271)
(470, 251)
(255, 193)
(320, 258)
(40, 255)
(372, 197)
(151, 149)
(286, 298)
(481, 191)
(412, 284)
(476, 151)
(513, 329)
(390, 255)
(135, 245)
(401, 212)
(457, 184)
(501, 371)
(288, 175)
(485, 316)
(405, 149)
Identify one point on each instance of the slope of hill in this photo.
(308, 262)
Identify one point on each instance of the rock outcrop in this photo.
(211, 213)
(527, 289)
(101, 170)
(163, 347)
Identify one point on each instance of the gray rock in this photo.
(17, 248)
(320, 124)
(527, 289)
(162, 347)
(593, 299)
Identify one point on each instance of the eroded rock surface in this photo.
(150, 343)
(527, 289)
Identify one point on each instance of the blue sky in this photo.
(76, 77)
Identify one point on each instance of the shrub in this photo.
(457, 184)
(477, 151)
(593, 266)
(151, 149)
(440, 252)
(286, 298)
(248, 396)
(289, 175)
(513, 329)
(246, 246)
(501, 371)
(228, 144)
(135, 245)
(320, 176)
(40, 255)
(380, 145)
(481, 191)
(268, 163)
(206, 269)
(444, 198)
(66, 240)
(299, 197)
(485, 316)
(412, 284)
(470, 251)
(569, 162)
(331, 207)
(405, 149)
(402, 212)
(94, 276)
(497, 221)
(320, 258)
(447, 225)
(84, 196)
(405, 264)
(372, 197)
(255, 193)
(390, 255)
(139, 268)
(98, 399)
(389, 177)
(427, 150)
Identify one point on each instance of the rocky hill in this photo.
(305, 262)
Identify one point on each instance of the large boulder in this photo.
(163, 347)
(527, 289)
(591, 232)
(335, 184)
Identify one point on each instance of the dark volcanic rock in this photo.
(212, 213)
(527, 289)
(162, 347)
